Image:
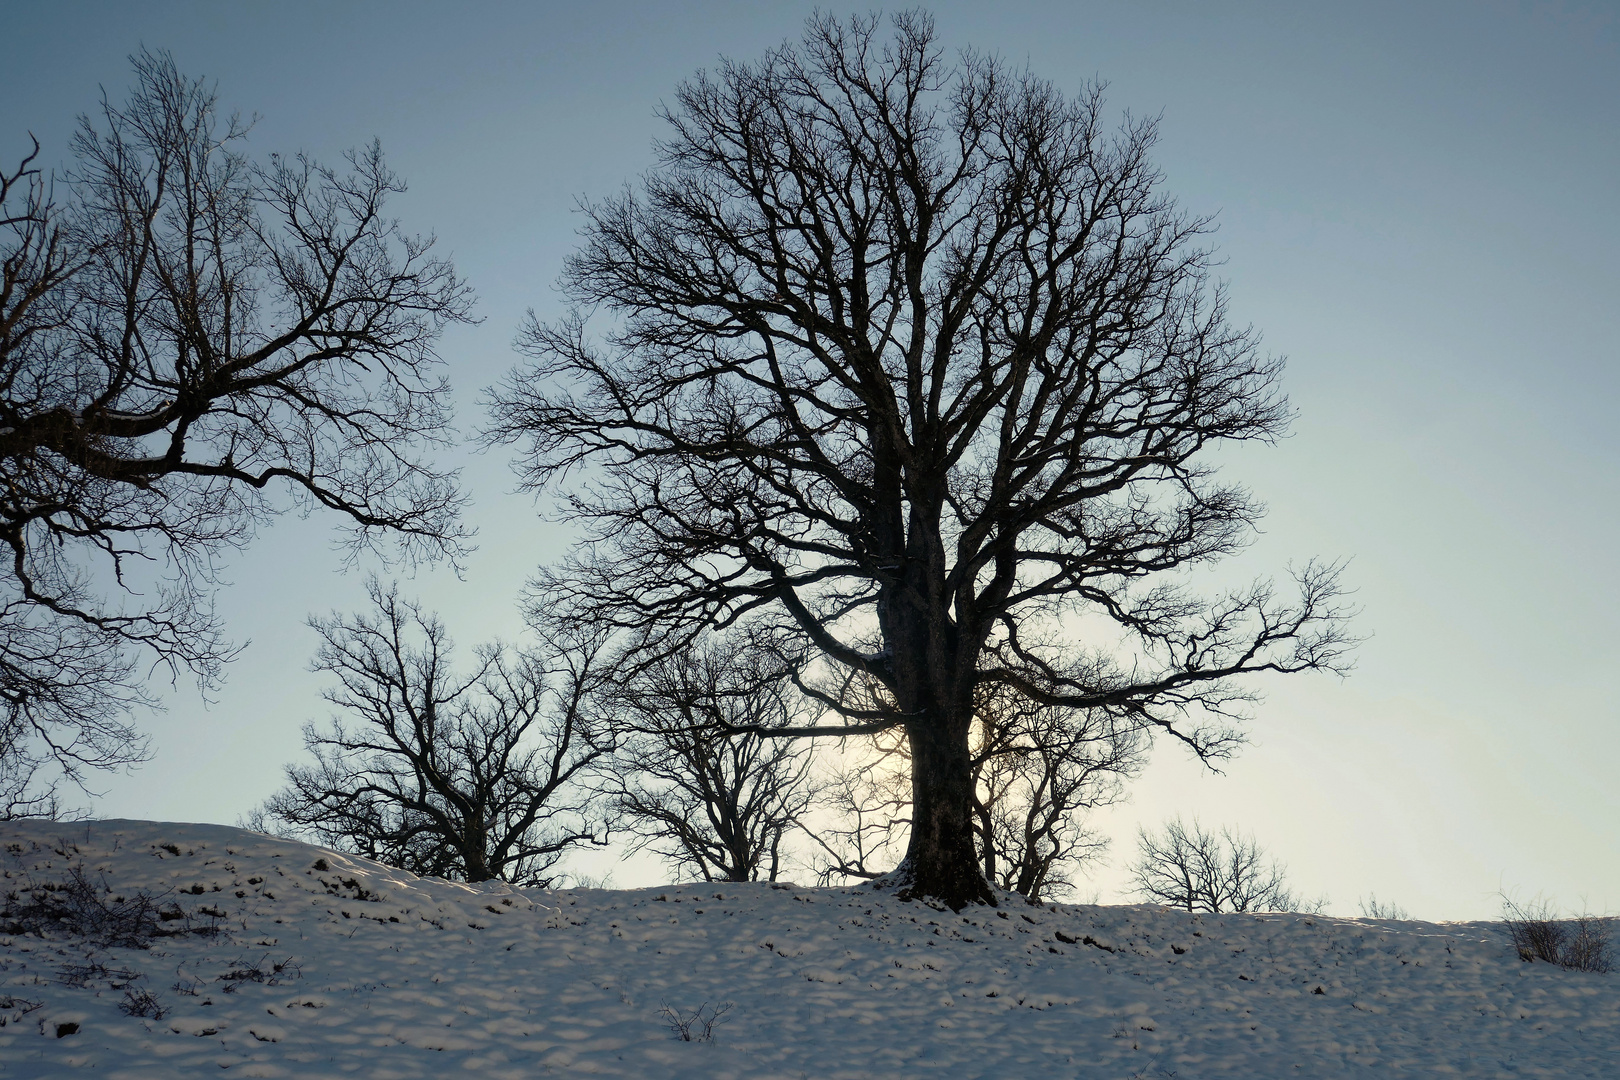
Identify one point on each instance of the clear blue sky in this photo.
(1418, 206)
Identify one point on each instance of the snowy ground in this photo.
(312, 964)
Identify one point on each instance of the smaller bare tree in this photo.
(1190, 868)
(715, 804)
(469, 776)
(1038, 770)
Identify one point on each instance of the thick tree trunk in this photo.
(942, 859)
(474, 846)
(932, 685)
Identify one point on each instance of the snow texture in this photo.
(279, 959)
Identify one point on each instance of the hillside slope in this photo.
(272, 958)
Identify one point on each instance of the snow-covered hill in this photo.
(272, 958)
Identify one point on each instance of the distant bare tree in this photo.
(718, 806)
(1190, 868)
(184, 334)
(468, 776)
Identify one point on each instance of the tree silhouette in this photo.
(184, 335)
(1191, 868)
(464, 774)
(908, 367)
(1037, 770)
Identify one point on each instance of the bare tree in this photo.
(1038, 769)
(1190, 868)
(464, 775)
(184, 334)
(716, 805)
(907, 364)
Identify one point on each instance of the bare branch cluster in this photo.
(1373, 908)
(867, 803)
(1577, 943)
(186, 336)
(1039, 769)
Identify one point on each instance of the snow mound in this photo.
(144, 949)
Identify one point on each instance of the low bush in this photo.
(699, 1026)
(83, 908)
(1374, 908)
(1578, 943)
(143, 1003)
(261, 971)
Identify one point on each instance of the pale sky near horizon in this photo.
(1418, 207)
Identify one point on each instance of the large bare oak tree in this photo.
(908, 363)
(186, 338)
